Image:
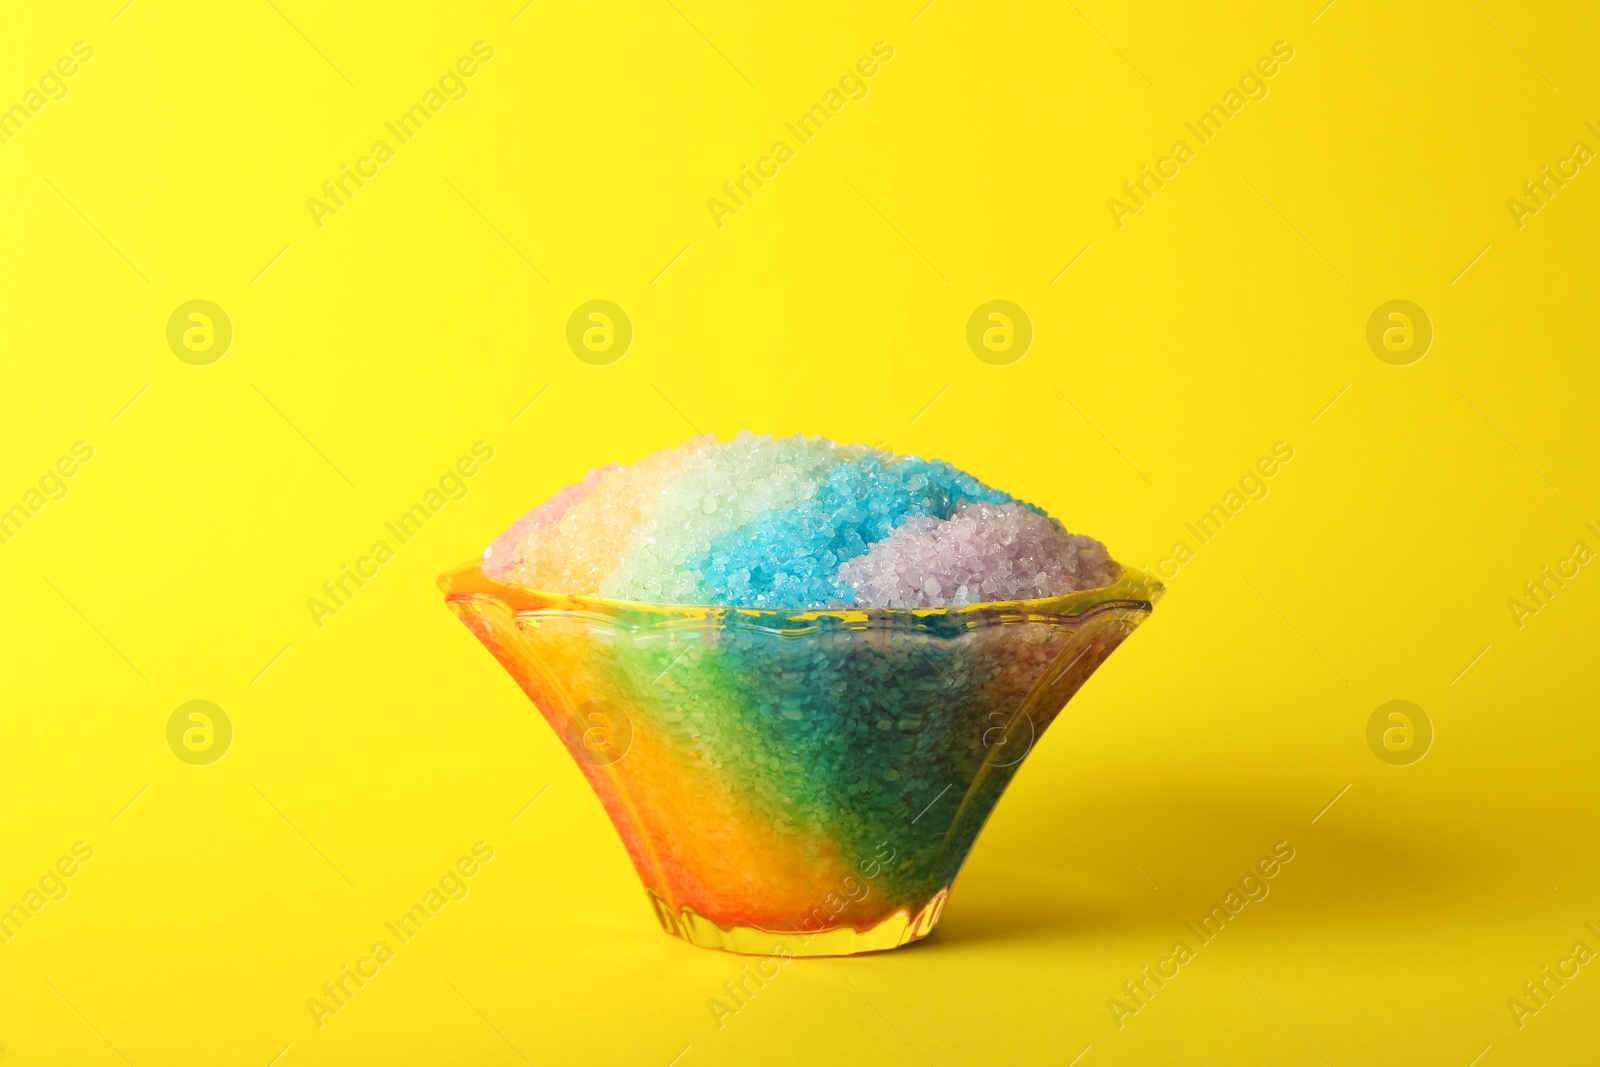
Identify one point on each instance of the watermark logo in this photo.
(1253, 486)
(1009, 738)
(599, 332)
(1537, 994)
(51, 86)
(1252, 888)
(823, 917)
(452, 886)
(599, 732)
(52, 485)
(199, 332)
(737, 193)
(1542, 188)
(1399, 333)
(1252, 86)
(52, 886)
(339, 191)
(999, 332)
(1399, 733)
(1551, 580)
(340, 590)
(199, 733)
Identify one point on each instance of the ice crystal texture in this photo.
(795, 522)
(983, 552)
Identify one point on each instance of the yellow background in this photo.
(1225, 316)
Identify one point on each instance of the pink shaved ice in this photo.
(983, 552)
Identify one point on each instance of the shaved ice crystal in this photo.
(793, 522)
(571, 551)
(982, 552)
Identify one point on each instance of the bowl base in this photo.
(898, 929)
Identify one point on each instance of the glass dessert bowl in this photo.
(798, 782)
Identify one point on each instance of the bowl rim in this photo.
(1134, 589)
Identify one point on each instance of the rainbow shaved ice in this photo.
(796, 673)
(796, 522)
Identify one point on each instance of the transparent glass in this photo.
(804, 782)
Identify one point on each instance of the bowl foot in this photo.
(898, 929)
